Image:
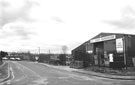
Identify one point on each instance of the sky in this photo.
(27, 25)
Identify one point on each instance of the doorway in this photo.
(99, 53)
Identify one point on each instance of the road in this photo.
(31, 73)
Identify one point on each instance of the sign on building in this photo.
(54, 57)
(119, 45)
(90, 51)
(110, 37)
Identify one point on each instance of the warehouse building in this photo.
(80, 58)
(114, 50)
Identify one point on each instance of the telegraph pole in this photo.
(39, 50)
(49, 55)
(124, 48)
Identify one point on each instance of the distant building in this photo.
(49, 58)
(115, 50)
(22, 56)
(56, 59)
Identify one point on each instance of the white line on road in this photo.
(11, 77)
(8, 74)
(26, 68)
(40, 80)
(2, 64)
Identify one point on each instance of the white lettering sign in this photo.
(95, 40)
(103, 38)
(90, 51)
(119, 45)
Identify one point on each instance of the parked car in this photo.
(12, 58)
(18, 59)
(5, 58)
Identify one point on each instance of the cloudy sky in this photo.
(50, 24)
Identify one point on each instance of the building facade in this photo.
(80, 54)
(109, 49)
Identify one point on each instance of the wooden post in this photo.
(124, 49)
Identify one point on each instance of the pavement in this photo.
(92, 73)
(4, 71)
(106, 75)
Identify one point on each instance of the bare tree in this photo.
(64, 49)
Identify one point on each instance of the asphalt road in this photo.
(31, 73)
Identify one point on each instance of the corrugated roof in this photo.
(102, 34)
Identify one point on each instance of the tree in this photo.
(64, 49)
(62, 59)
(2, 54)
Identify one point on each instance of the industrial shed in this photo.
(114, 50)
(79, 54)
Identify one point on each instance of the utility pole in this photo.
(124, 48)
(49, 51)
(39, 50)
(49, 56)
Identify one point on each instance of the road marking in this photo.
(7, 76)
(39, 80)
(9, 79)
(12, 75)
(2, 64)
